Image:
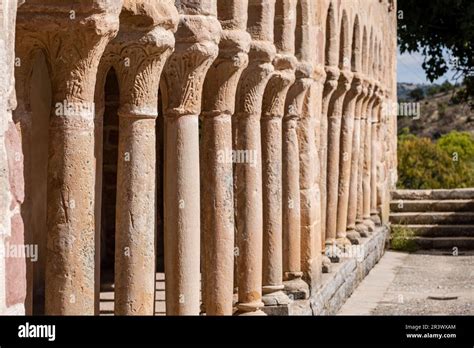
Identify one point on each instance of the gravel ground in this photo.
(428, 283)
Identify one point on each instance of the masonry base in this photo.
(336, 287)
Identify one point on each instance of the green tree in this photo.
(437, 28)
(424, 164)
(446, 87)
(460, 146)
(417, 94)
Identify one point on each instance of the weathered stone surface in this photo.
(242, 136)
(337, 286)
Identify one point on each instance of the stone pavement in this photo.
(423, 283)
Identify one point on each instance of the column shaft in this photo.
(184, 78)
(273, 111)
(354, 197)
(335, 115)
(135, 218)
(330, 85)
(74, 56)
(291, 200)
(346, 141)
(217, 197)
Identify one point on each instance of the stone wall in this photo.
(12, 268)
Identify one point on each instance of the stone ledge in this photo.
(337, 286)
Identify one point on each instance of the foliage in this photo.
(402, 239)
(442, 109)
(460, 146)
(447, 163)
(437, 28)
(417, 94)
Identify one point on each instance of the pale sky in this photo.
(409, 70)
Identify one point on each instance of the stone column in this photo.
(352, 233)
(271, 123)
(217, 202)
(334, 129)
(197, 41)
(273, 110)
(301, 217)
(248, 169)
(292, 273)
(362, 228)
(346, 141)
(330, 85)
(140, 52)
(376, 153)
(309, 189)
(367, 164)
(73, 50)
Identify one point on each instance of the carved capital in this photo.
(223, 76)
(344, 83)
(319, 75)
(356, 86)
(139, 52)
(73, 39)
(331, 82)
(296, 98)
(277, 88)
(255, 78)
(196, 48)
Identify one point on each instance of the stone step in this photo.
(433, 218)
(461, 243)
(441, 230)
(433, 194)
(432, 205)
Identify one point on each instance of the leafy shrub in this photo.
(417, 94)
(447, 163)
(402, 239)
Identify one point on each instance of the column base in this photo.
(250, 308)
(370, 224)
(353, 236)
(376, 219)
(273, 296)
(277, 298)
(343, 243)
(333, 252)
(362, 229)
(296, 289)
(326, 264)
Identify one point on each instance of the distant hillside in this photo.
(438, 114)
(404, 89)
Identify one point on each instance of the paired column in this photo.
(247, 142)
(353, 233)
(330, 85)
(217, 197)
(309, 190)
(335, 113)
(273, 110)
(367, 163)
(197, 41)
(292, 270)
(73, 51)
(361, 227)
(272, 115)
(140, 56)
(345, 161)
(375, 148)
